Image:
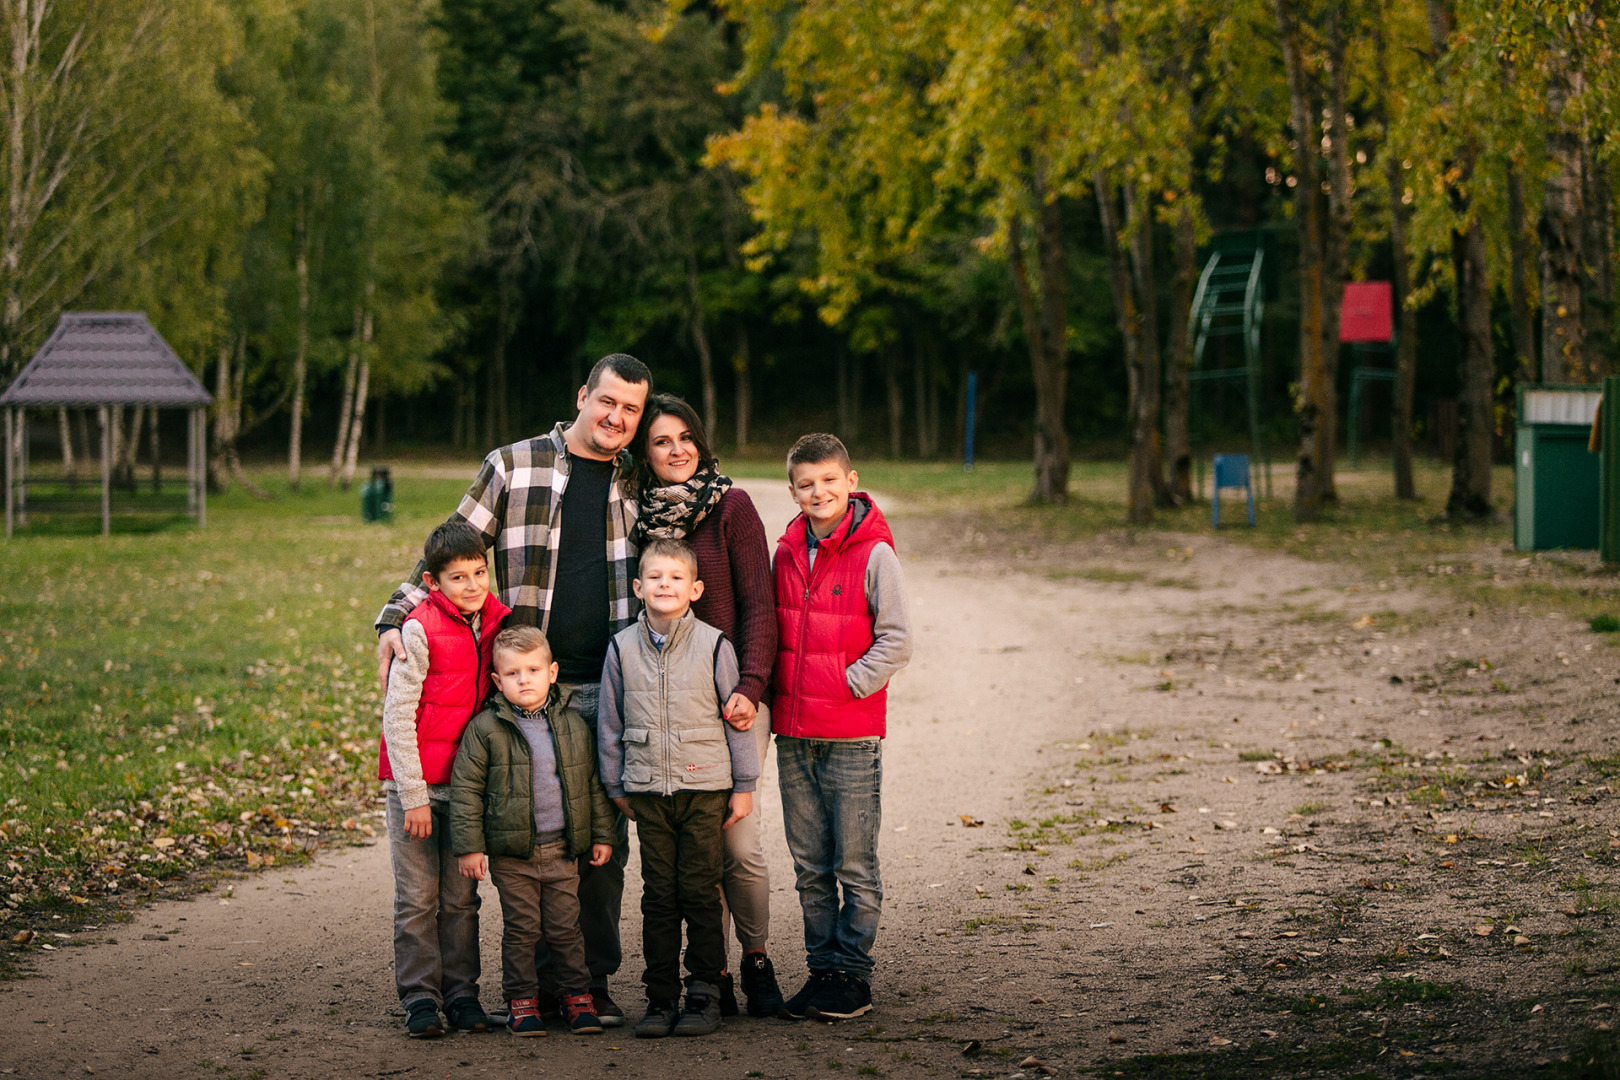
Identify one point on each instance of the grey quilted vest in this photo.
(674, 737)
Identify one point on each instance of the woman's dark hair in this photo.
(670, 405)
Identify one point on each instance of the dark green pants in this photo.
(682, 851)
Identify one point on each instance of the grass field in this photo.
(171, 698)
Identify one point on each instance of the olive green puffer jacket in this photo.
(492, 784)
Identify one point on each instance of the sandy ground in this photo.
(1166, 797)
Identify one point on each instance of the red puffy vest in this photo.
(457, 681)
(824, 625)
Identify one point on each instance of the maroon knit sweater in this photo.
(739, 598)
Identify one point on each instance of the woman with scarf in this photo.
(684, 496)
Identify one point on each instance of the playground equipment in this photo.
(1556, 481)
(1231, 471)
(1230, 302)
(1367, 325)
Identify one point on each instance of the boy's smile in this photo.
(464, 582)
(822, 490)
(666, 586)
(524, 678)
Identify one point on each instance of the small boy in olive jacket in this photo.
(525, 804)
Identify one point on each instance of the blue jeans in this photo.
(601, 888)
(831, 811)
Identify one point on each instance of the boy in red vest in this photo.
(843, 631)
(432, 694)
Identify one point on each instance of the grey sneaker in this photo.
(701, 1016)
(659, 1020)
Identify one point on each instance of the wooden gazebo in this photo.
(103, 360)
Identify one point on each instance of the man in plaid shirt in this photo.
(569, 574)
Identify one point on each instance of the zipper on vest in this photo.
(663, 700)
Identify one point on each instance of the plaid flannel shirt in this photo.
(516, 503)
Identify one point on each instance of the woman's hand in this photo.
(741, 805)
(740, 712)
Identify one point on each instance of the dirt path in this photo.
(1180, 756)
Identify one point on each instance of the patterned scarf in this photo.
(671, 513)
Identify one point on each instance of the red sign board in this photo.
(1367, 314)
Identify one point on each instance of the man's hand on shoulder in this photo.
(390, 647)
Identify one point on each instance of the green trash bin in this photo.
(1556, 480)
(377, 497)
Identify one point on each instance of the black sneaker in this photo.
(759, 985)
(422, 1020)
(842, 997)
(659, 1019)
(465, 1014)
(701, 1016)
(606, 1010)
(793, 1008)
(728, 995)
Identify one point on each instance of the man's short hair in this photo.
(451, 541)
(522, 639)
(816, 448)
(624, 366)
(668, 549)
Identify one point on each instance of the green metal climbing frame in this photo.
(1230, 302)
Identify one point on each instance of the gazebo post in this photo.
(22, 468)
(157, 468)
(10, 523)
(106, 470)
(201, 415)
(191, 464)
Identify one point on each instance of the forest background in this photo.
(385, 224)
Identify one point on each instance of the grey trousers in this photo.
(435, 913)
(540, 899)
(745, 881)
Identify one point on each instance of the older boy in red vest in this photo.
(843, 631)
(432, 695)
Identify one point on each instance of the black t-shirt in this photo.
(580, 628)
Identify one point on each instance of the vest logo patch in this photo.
(698, 768)
(838, 590)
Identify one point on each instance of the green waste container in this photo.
(377, 497)
(1556, 481)
(1609, 503)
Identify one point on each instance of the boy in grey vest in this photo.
(682, 774)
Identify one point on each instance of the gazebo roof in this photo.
(105, 358)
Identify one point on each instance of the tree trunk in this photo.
(1400, 216)
(1178, 358)
(742, 367)
(1471, 474)
(849, 395)
(1144, 424)
(1336, 237)
(157, 455)
(362, 391)
(69, 470)
(1139, 228)
(896, 399)
(1597, 258)
(301, 354)
(346, 406)
(700, 339)
(222, 412)
(1046, 329)
(234, 421)
(1562, 324)
(923, 378)
(1524, 323)
(1314, 402)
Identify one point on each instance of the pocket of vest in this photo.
(636, 735)
(638, 774)
(704, 735)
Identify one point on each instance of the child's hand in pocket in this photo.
(624, 808)
(741, 805)
(600, 854)
(475, 866)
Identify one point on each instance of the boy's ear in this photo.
(854, 481)
(697, 589)
(635, 584)
(430, 581)
(554, 671)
